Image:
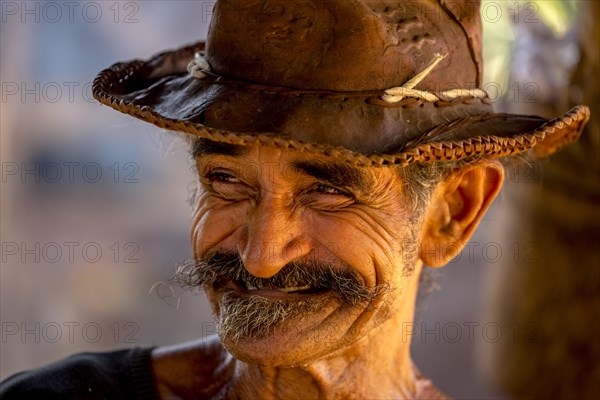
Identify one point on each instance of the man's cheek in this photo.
(216, 229)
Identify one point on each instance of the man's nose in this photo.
(273, 236)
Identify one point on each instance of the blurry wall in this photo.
(557, 292)
(94, 203)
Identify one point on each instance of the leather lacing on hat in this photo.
(200, 68)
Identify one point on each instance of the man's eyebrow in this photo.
(204, 147)
(335, 173)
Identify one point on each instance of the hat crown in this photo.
(346, 45)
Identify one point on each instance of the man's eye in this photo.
(326, 189)
(227, 186)
(222, 177)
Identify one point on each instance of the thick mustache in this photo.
(222, 266)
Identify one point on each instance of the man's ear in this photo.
(457, 205)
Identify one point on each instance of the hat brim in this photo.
(161, 91)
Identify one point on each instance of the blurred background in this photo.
(94, 204)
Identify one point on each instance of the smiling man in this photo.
(312, 268)
(341, 146)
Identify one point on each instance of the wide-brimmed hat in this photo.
(364, 81)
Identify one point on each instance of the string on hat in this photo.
(199, 67)
(395, 94)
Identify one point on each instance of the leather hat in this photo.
(372, 82)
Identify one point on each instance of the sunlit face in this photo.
(275, 208)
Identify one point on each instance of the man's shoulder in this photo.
(188, 370)
(140, 374)
(122, 374)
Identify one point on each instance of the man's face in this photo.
(333, 244)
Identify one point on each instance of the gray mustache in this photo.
(222, 266)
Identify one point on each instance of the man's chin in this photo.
(300, 338)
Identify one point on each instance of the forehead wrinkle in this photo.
(336, 173)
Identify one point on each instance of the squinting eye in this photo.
(222, 177)
(326, 189)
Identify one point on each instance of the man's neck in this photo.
(376, 366)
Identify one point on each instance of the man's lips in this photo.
(292, 292)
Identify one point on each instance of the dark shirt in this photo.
(116, 375)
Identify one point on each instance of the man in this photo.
(341, 145)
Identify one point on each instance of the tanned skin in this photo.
(257, 198)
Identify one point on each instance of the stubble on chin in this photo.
(255, 317)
